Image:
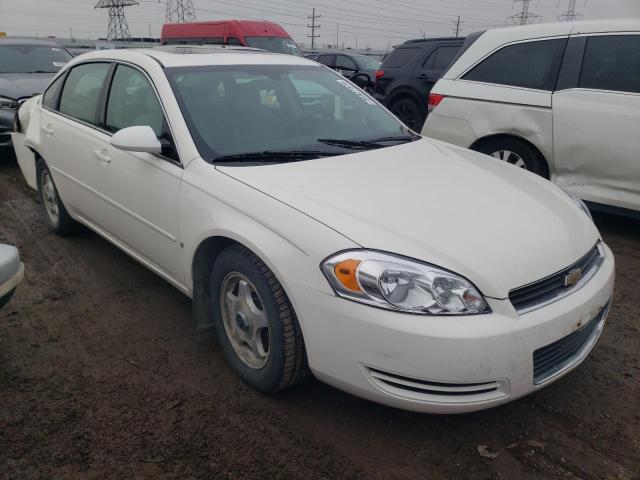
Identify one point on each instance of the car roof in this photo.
(28, 41)
(197, 55)
(491, 40)
(433, 39)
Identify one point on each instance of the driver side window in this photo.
(133, 102)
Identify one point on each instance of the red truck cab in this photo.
(257, 34)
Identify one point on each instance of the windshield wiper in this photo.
(274, 156)
(366, 144)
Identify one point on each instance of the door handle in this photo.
(47, 129)
(102, 155)
(424, 76)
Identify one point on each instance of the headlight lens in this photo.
(396, 283)
(7, 103)
(580, 204)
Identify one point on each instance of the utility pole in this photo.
(337, 35)
(313, 17)
(118, 28)
(180, 11)
(525, 17)
(456, 26)
(570, 14)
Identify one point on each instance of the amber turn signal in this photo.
(346, 273)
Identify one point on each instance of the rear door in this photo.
(429, 71)
(596, 121)
(69, 129)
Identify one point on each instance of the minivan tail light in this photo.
(434, 101)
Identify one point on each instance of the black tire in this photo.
(63, 225)
(533, 161)
(287, 361)
(408, 110)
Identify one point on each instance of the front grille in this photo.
(440, 392)
(557, 356)
(553, 288)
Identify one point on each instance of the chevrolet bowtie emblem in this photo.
(572, 277)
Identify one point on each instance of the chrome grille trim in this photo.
(552, 288)
(557, 357)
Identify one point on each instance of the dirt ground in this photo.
(101, 377)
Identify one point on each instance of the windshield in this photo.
(274, 44)
(235, 110)
(368, 63)
(32, 58)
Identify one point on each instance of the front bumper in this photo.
(443, 364)
(6, 125)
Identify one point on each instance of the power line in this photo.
(313, 28)
(117, 28)
(570, 14)
(180, 11)
(525, 17)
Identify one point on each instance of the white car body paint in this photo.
(428, 200)
(589, 138)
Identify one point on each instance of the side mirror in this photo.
(137, 139)
(361, 80)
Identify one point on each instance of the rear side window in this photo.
(441, 58)
(82, 89)
(530, 64)
(345, 62)
(400, 57)
(612, 63)
(50, 97)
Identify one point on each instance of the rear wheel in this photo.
(407, 110)
(516, 152)
(58, 219)
(255, 323)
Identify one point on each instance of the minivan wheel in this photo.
(515, 152)
(409, 112)
(56, 215)
(255, 323)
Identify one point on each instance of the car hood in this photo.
(497, 225)
(19, 85)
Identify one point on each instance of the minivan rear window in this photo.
(400, 57)
(532, 64)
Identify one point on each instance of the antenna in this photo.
(118, 28)
(180, 11)
(570, 14)
(313, 27)
(525, 17)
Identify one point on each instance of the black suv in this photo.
(406, 76)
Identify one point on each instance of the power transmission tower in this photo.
(118, 28)
(457, 24)
(570, 14)
(180, 11)
(525, 17)
(313, 17)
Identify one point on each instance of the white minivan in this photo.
(560, 99)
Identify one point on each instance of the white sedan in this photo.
(315, 232)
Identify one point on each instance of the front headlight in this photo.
(7, 103)
(580, 204)
(397, 283)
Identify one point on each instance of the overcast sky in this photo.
(374, 23)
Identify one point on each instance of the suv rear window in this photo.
(400, 57)
(612, 62)
(530, 64)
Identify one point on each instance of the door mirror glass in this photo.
(137, 139)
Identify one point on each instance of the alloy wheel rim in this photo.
(510, 157)
(245, 320)
(406, 113)
(50, 197)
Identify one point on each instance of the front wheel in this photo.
(255, 323)
(515, 152)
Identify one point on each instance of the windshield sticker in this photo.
(359, 93)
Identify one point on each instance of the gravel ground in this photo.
(100, 377)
